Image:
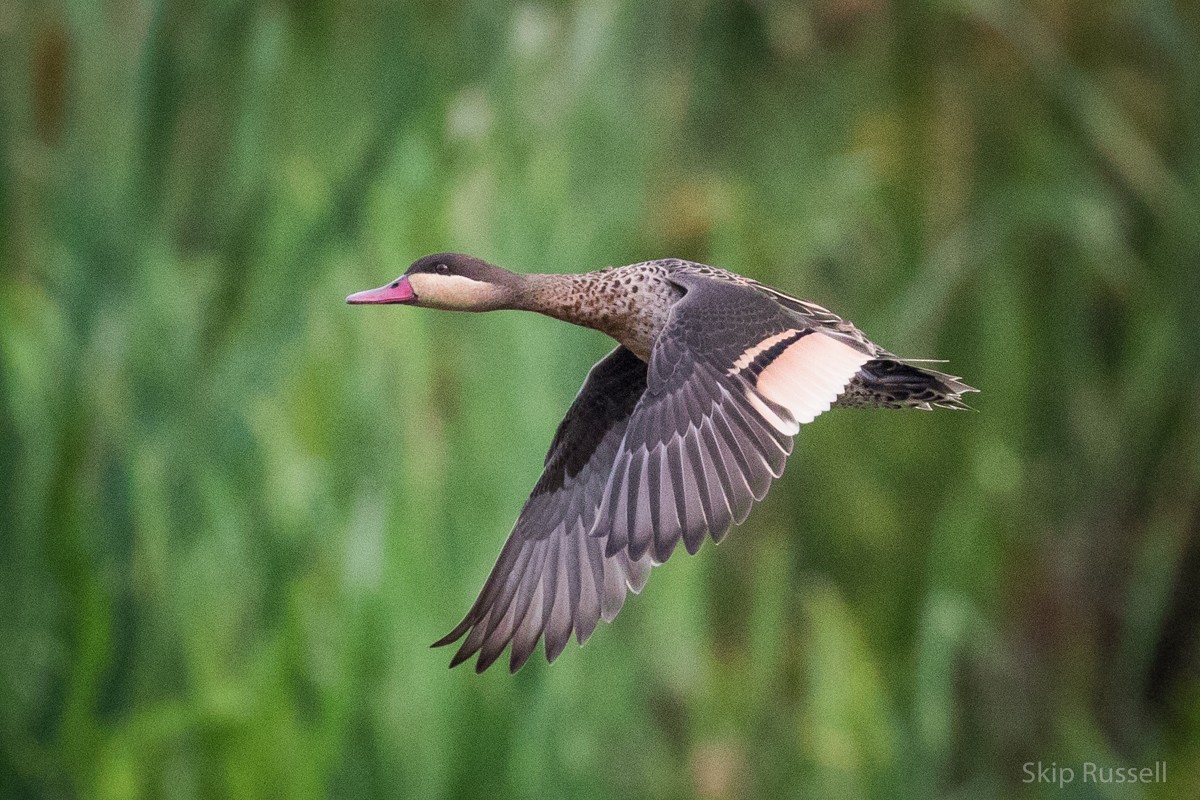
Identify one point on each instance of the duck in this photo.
(673, 437)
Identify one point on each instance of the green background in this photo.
(234, 511)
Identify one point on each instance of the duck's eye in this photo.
(442, 269)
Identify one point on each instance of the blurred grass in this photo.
(236, 511)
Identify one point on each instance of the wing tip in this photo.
(555, 648)
(461, 656)
(486, 659)
(454, 635)
(518, 657)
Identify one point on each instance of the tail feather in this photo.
(894, 383)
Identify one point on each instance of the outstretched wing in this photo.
(731, 378)
(652, 454)
(551, 576)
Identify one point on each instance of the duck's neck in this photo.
(579, 299)
(604, 300)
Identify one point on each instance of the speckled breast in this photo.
(632, 304)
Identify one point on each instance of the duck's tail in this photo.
(893, 383)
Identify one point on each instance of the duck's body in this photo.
(672, 437)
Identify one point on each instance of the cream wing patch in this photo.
(805, 379)
(766, 344)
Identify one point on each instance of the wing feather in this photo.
(730, 379)
(552, 577)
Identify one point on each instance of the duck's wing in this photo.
(811, 314)
(551, 576)
(886, 381)
(730, 380)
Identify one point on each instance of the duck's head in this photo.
(448, 280)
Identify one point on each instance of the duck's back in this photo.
(883, 382)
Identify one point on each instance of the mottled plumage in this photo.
(673, 436)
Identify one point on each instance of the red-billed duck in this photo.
(673, 436)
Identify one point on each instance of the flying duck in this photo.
(673, 436)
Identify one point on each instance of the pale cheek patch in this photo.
(450, 292)
(806, 379)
